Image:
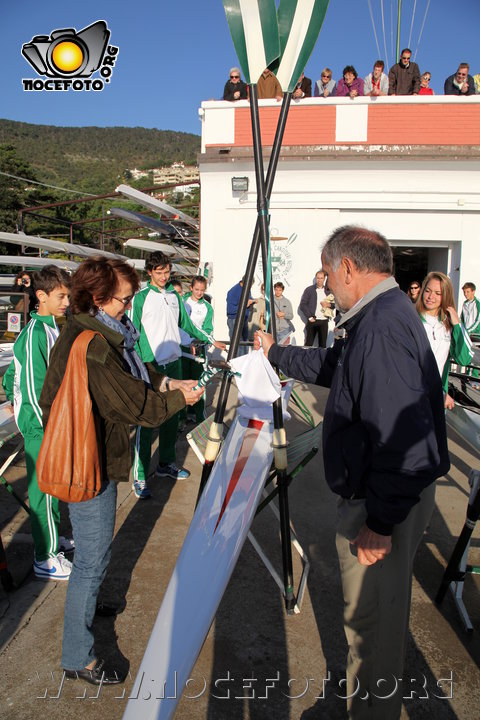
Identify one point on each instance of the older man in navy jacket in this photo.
(384, 445)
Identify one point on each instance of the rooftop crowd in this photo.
(404, 78)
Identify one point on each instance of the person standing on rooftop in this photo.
(404, 76)
(461, 83)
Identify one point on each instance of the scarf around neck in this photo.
(130, 334)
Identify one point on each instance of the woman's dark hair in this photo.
(98, 277)
(350, 68)
(20, 275)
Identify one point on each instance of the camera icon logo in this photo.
(66, 53)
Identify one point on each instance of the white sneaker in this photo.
(65, 545)
(53, 568)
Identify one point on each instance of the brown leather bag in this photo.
(69, 465)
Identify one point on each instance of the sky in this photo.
(174, 55)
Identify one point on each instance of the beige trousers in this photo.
(377, 608)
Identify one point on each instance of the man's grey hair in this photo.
(367, 249)
(235, 70)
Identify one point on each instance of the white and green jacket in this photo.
(24, 378)
(200, 312)
(470, 316)
(453, 344)
(158, 315)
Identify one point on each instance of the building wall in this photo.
(419, 196)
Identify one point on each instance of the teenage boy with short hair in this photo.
(470, 315)
(23, 383)
(158, 312)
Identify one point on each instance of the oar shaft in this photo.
(451, 571)
(279, 437)
(250, 269)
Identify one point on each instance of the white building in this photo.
(406, 166)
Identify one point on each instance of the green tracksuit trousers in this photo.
(167, 435)
(44, 509)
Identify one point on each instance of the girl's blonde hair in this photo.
(447, 297)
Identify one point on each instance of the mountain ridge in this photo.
(94, 159)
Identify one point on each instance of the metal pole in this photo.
(452, 573)
(279, 434)
(399, 15)
(215, 434)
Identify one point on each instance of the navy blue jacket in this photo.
(384, 434)
(308, 302)
(233, 300)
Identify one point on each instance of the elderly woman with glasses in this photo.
(326, 85)
(124, 392)
(235, 88)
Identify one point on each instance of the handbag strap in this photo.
(76, 376)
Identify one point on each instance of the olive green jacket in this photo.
(119, 399)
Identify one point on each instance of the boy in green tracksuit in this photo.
(201, 314)
(158, 312)
(470, 316)
(23, 383)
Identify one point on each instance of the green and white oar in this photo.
(299, 24)
(254, 31)
(259, 43)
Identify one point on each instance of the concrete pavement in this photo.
(257, 661)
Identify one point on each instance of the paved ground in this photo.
(257, 661)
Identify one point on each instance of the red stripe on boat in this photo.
(249, 439)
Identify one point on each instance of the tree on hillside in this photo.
(16, 194)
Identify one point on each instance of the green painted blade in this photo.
(299, 24)
(254, 30)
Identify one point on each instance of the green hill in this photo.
(94, 159)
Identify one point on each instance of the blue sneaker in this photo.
(171, 470)
(141, 490)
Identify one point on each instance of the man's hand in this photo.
(219, 345)
(449, 402)
(263, 340)
(371, 546)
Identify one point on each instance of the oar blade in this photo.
(254, 30)
(299, 25)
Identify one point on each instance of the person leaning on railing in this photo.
(326, 85)
(461, 83)
(235, 88)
